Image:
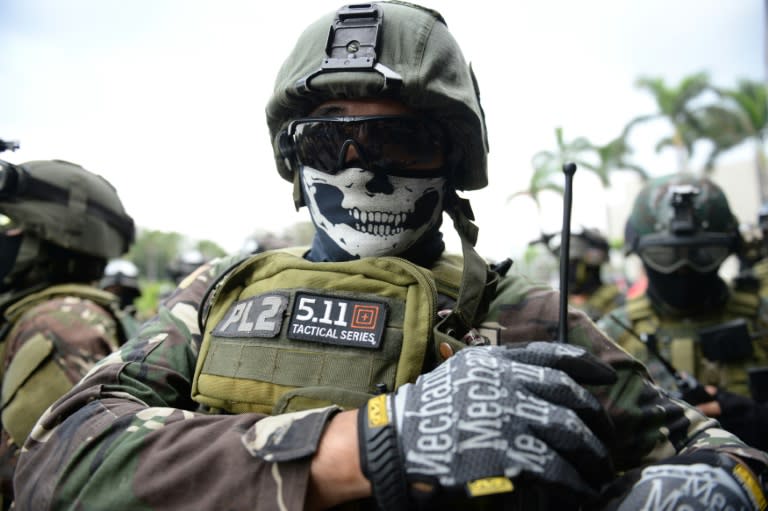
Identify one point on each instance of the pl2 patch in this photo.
(334, 320)
(258, 316)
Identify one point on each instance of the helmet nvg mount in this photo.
(66, 205)
(681, 220)
(363, 55)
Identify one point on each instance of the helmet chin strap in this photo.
(476, 280)
(298, 197)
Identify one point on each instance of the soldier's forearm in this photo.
(335, 474)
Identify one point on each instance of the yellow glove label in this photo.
(745, 477)
(377, 412)
(489, 486)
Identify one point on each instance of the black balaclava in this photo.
(686, 291)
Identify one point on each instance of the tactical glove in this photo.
(486, 416)
(744, 417)
(701, 480)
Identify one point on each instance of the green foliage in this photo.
(210, 250)
(153, 251)
(675, 104)
(151, 293)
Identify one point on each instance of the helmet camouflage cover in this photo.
(65, 204)
(684, 212)
(417, 61)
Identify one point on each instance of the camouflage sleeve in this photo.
(649, 424)
(129, 436)
(50, 347)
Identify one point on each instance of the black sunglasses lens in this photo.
(387, 144)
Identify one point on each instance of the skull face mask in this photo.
(365, 214)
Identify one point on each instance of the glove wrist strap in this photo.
(380, 454)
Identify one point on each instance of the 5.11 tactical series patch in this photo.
(335, 320)
(316, 318)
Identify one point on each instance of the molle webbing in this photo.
(641, 315)
(743, 304)
(303, 359)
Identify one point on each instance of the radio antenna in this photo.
(569, 169)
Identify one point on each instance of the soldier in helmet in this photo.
(700, 338)
(587, 256)
(371, 367)
(184, 264)
(753, 255)
(121, 277)
(60, 224)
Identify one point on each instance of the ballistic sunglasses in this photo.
(704, 252)
(395, 144)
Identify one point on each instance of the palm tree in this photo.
(548, 164)
(749, 104)
(613, 157)
(540, 182)
(674, 105)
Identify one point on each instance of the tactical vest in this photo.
(281, 333)
(603, 300)
(33, 379)
(678, 341)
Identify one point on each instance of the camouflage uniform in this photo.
(68, 335)
(588, 253)
(675, 347)
(129, 436)
(59, 228)
(644, 316)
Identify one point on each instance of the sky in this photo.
(165, 98)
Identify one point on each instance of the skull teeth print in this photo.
(368, 214)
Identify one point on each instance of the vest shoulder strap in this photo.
(101, 297)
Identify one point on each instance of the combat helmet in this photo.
(58, 222)
(185, 263)
(680, 220)
(587, 245)
(66, 205)
(121, 278)
(359, 52)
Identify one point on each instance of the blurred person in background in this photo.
(701, 339)
(59, 224)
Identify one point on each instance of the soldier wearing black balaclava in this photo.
(694, 331)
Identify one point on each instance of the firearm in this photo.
(8, 145)
(689, 388)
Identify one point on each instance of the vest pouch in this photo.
(318, 397)
(32, 383)
(727, 342)
(280, 332)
